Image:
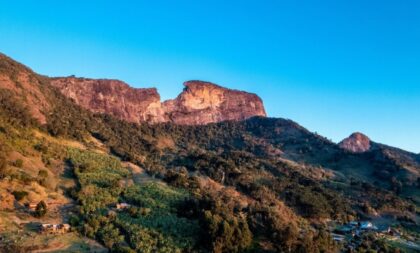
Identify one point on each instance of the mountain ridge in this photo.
(199, 102)
(269, 179)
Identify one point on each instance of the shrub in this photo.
(3, 167)
(18, 163)
(19, 195)
(43, 174)
(41, 209)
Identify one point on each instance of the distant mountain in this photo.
(391, 164)
(356, 143)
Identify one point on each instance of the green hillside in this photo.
(260, 185)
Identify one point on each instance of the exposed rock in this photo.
(113, 97)
(356, 143)
(199, 103)
(204, 102)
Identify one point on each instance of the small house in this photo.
(121, 206)
(337, 237)
(353, 224)
(54, 228)
(384, 229)
(366, 225)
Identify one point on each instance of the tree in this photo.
(396, 185)
(19, 163)
(226, 232)
(41, 209)
(19, 195)
(110, 236)
(43, 174)
(3, 167)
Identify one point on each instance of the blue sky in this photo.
(335, 67)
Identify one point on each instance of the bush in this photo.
(18, 163)
(41, 209)
(3, 167)
(19, 195)
(42, 174)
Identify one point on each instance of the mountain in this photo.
(392, 165)
(204, 172)
(356, 143)
(199, 103)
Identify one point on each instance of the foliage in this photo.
(18, 163)
(42, 173)
(14, 111)
(3, 166)
(98, 176)
(157, 209)
(226, 233)
(41, 209)
(19, 195)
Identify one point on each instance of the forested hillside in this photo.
(258, 185)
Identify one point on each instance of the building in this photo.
(337, 237)
(54, 228)
(121, 206)
(384, 229)
(353, 224)
(366, 225)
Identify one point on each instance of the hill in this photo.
(259, 184)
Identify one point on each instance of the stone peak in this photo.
(199, 83)
(199, 103)
(359, 135)
(357, 142)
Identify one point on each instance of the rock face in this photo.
(356, 143)
(199, 103)
(204, 102)
(113, 97)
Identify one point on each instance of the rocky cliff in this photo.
(199, 103)
(356, 143)
(113, 97)
(204, 102)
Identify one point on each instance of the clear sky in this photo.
(335, 67)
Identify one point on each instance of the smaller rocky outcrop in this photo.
(356, 143)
